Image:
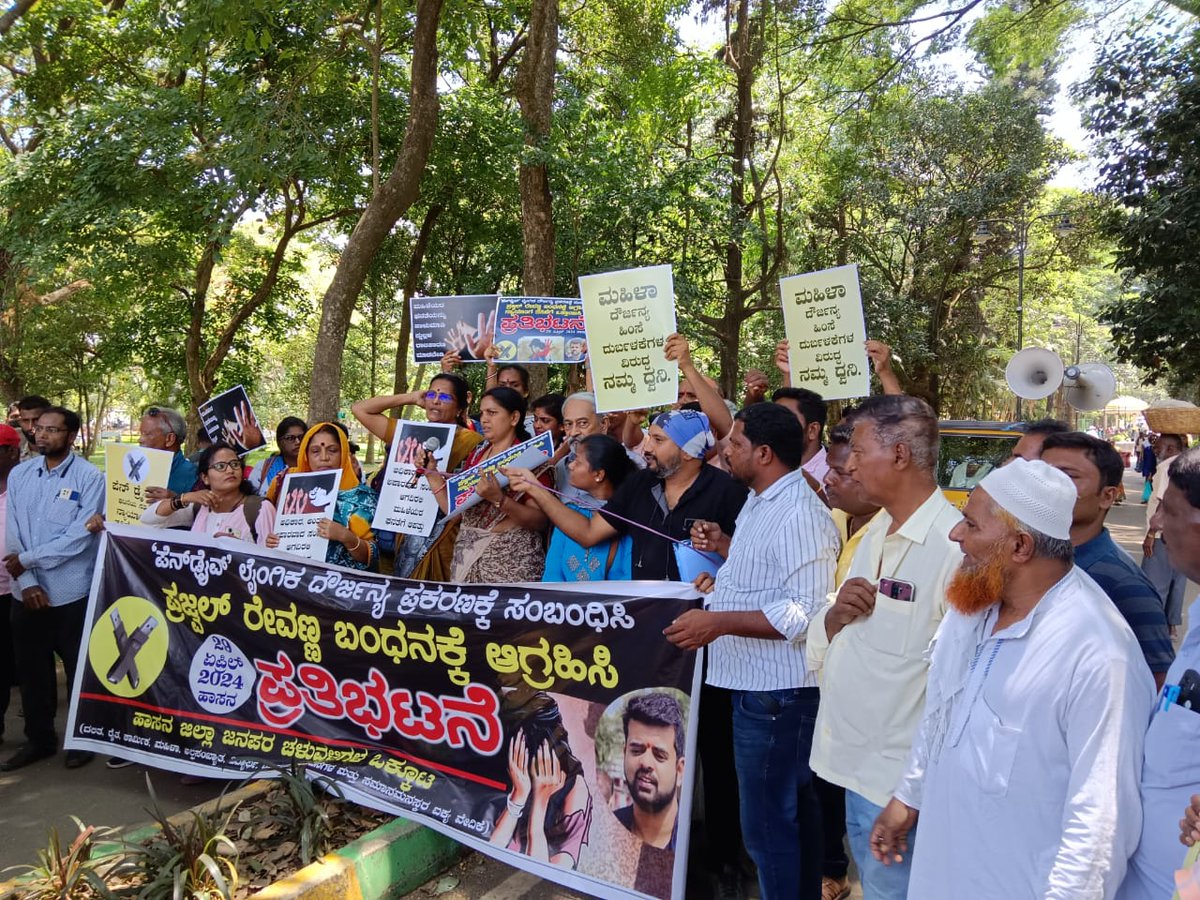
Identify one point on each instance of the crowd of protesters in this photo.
(964, 699)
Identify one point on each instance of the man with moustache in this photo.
(654, 761)
(779, 569)
(1170, 777)
(676, 489)
(869, 644)
(579, 419)
(50, 556)
(1096, 469)
(1024, 770)
(29, 410)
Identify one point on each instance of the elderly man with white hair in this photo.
(1024, 771)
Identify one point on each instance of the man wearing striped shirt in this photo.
(780, 565)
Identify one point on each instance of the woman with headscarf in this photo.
(548, 809)
(500, 538)
(351, 541)
(445, 402)
(226, 505)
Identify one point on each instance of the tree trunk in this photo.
(393, 200)
(535, 94)
(416, 259)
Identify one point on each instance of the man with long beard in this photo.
(1024, 770)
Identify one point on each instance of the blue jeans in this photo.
(879, 882)
(780, 813)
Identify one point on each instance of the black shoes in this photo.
(79, 758)
(27, 755)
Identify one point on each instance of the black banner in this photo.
(546, 725)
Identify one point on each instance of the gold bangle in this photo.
(358, 544)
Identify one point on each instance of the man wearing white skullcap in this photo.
(1024, 771)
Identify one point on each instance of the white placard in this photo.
(629, 315)
(823, 319)
(406, 504)
(304, 500)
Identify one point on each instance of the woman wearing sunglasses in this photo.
(226, 505)
(445, 402)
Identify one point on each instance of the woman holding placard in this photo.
(351, 541)
(500, 538)
(445, 402)
(227, 506)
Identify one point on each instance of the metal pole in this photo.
(1022, 234)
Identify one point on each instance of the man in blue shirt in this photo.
(1096, 469)
(50, 555)
(1170, 775)
(165, 429)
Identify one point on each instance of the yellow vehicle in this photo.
(969, 450)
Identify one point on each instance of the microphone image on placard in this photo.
(432, 445)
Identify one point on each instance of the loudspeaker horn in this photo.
(1089, 386)
(1034, 373)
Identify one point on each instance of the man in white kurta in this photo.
(1024, 769)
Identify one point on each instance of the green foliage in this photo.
(1144, 109)
(191, 860)
(299, 811)
(74, 874)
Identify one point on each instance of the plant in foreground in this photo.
(195, 860)
(77, 874)
(300, 811)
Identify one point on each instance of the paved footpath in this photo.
(46, 793)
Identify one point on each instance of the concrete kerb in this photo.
(392, 860)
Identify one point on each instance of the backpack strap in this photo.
(250, 508)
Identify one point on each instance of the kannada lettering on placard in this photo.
(629, 316)
(826, 332)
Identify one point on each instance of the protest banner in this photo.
(304, 500)
(229, 417)
(406, 504)
(540, 329)
(823, 320)
(629, 315)
(128, 471)
(440, 324)
(495, 714)
(460, 488)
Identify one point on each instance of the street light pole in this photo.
(1021, 226)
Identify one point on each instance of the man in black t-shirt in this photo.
(675, 489)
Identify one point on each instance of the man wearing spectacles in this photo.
(50, 555)
(165, 429)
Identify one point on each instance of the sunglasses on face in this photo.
(225, 465)
(439, 396)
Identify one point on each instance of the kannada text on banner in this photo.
(823, 319)
(501, 715)
(128, 471)
(540, 329)
(629, 316)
